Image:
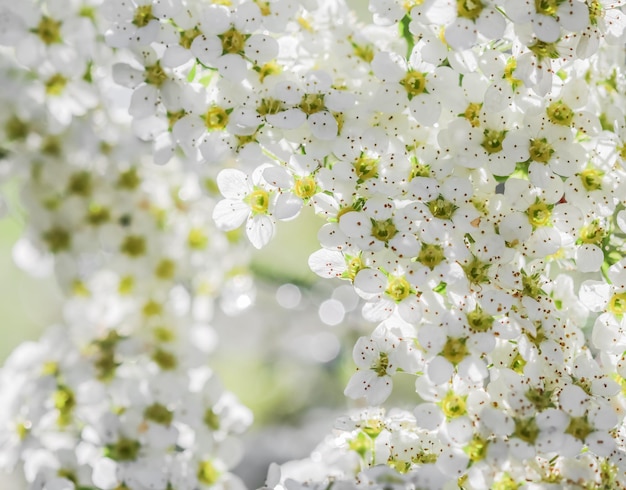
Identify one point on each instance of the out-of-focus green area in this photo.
(27, 304)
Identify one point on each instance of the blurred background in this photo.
(287, 355)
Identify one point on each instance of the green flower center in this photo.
(207, 473)
(492, 141)
(469, 9)
(366, 167)
(455, 349)
(398, 288)
(544, 50)
(123, 450)
(414, 83)
(591, 179)
(540, 150)
(64, 402)
(453, 405)
(143, 15)
(431, 255)
(312, 103)
(233, 41)
(541, 399)
(259, 201)
(479, 321)
(49, 30)
(305, 187)
(476, 271)
(97, 214)
(165, 360)
(477, 448)
(560, 114)
(158, 413)
(353, 266)
(526, 430)
(211, 419)
(592, 233)
(547, 7)
(579, 427)
(187, 37)
(56, 84)
(197, 239)
(133, 245)
(155, 75)
(57, 239)
(442, 208)
(383, 230)
(80, 184)
(381, 364)
(472, 113)
(216, 118)
(269, 106)
(617, 304)
(539, 214)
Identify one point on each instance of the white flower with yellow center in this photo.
(247, 200)
(378, 357)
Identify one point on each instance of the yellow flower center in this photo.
(539, 214)
(414, 83)
(143, 15)
(492, 141)
(617, 304)
(455, 349)
(233, 41)
(560, 114)
(56, 84)
(155, 75)
(431, 255)
(383, 230)
(453, 405)
(259, 201)
(49, 30)
(312, 103)
(216, 118)
(469, 9)
(472, 113)
(398, 288)
(540, 150)
(305, 187)
(591, 179)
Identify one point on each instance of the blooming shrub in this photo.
(468, 160)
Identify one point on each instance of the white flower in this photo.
(247, 201)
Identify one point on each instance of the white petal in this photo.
(260, 230)
(428, 416)
(261, 48)
(229, 214)
(278, 177)
(376, 389)
(287, 206)
(323, 125)
(232, 67)
(573, 15)
(233, 183)
(327, 263)
(546, 28)
(369, 282)
(589, 258)
(425, 109)
(143, 102)
(207, 49)
(289, 119)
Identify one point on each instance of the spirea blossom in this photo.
(467, 161)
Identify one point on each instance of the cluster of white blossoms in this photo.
(121, 396)
(468, 158)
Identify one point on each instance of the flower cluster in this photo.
(468, 159)
(121, 396)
